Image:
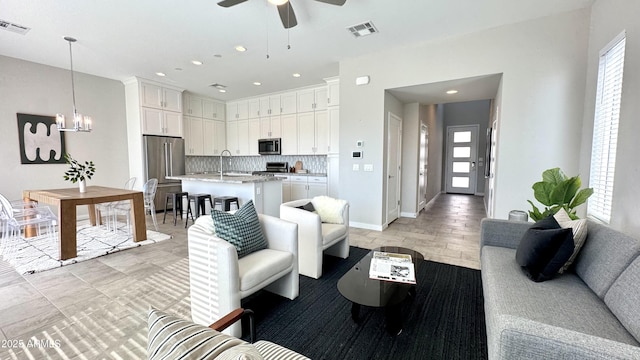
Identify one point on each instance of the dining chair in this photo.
(16, 216)
(149, 190)
(116, 208)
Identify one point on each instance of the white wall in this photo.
(434, 119)
(31, 88)
(410, 160)
(608, 19)
(543, 62)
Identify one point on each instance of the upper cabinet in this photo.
(312, 99)
(214, 110)
(333, 91)
(238, 110)
(289, 103)
(160, 97)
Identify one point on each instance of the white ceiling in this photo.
(118, 39)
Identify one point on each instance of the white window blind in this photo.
(605, 129)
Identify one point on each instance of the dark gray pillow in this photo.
(544, 249)
(242, 229)
(308, 206)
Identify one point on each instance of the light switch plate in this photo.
(368, 167)
(356, 167)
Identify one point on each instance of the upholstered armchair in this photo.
(219, 280)
(316, 237)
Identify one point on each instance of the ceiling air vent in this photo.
(14, 27)
(363, 29)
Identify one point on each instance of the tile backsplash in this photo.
(196, 164)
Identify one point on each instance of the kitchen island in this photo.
(265, 191)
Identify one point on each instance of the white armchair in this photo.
(219, 280)
(316, 237)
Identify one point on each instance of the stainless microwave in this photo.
(269, 146)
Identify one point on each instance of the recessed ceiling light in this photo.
(278, 2)
(222, 90)
(451, 92)
(196, 62)
(257, 83)
(296, 75)
(241, 48)
(161, 74)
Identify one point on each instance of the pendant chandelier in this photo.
(80, 122)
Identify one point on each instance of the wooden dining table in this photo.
(68, 199)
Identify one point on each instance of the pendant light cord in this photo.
(73, 86)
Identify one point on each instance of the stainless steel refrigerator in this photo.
(164, 156)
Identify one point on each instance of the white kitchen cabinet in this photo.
(160, 97)
(286, 187)
(213, 110)
(269, 105)
(305, 187)
(289, 134)
(194, 136)
(316, 186)
(254, 135)
(334, 130)
(238, 110)
(288, 103)
(312, 99)
(333, 92)
(254, 108)
(159, 122)
(193, 106)
(232, 138)
(270, 127)
(243, 137)
(313, 133)
(213, 137)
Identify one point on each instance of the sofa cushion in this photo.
(206, 222)
(623, 298)
(544, 249)
(566, 302)
(275, 351)
(242, 229)
(257, 267)
(308, 206)
(329, 209)
(171, 337)
(605, 254)
(579, 228)
(331, 232)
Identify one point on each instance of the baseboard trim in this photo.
(408, 215)
(360, 225)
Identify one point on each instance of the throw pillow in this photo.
(579, 228)
(241, 229)
(171, 337)
(329, 209)
(544, 249)
(308, 206)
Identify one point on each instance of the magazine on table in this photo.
(392, 267)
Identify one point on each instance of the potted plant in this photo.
(557, 191)
(78, 171)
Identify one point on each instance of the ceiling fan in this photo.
(285, 10)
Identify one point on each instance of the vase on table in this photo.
(83, 185)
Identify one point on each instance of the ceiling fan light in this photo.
(278, 2)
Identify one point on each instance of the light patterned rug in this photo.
(40, 253)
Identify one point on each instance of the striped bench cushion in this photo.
(270, 350)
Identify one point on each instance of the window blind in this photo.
(605, 129)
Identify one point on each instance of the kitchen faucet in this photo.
(221, 165)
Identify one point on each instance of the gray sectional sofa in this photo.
(591, 311)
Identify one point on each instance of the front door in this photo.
(462, 155)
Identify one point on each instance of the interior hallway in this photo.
(97, 309)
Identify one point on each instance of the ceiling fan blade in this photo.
(229, 3)
(287, 15)
(333, 2)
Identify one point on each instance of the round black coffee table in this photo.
(357, 287)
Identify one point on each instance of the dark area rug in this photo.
(445, 319)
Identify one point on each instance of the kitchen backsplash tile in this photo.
(197, 164)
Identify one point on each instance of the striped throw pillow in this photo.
(242, 229)
(173, 338)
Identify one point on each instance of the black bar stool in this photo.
(176, 204)
(198, 204)
(225, 202)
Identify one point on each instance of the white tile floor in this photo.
(97, 309)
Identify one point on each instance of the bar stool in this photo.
(176, 204)
(225, 202)
(198, 204)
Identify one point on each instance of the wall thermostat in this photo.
(359, 143)
(356, 154)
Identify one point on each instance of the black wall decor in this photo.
(40, 140)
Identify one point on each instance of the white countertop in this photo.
(227, 179)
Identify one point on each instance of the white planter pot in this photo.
(83, 186)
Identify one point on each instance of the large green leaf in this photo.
(542, 192)
(553, 176)
(581, 197)
(565, 191)
(534, 214)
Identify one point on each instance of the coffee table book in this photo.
(395, 267)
